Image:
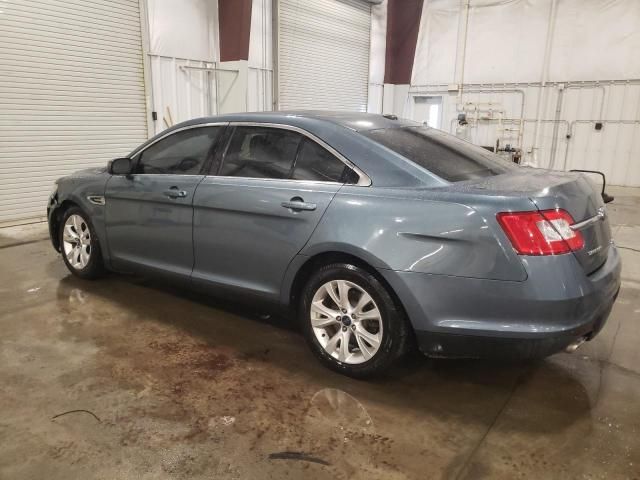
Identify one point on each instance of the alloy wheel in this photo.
(76, 239)
(346, 321)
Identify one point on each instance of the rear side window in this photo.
(182, 153)
(444, 155)
(260, 152)
(317, 163)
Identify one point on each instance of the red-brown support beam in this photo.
(403, 25)
(234, 17)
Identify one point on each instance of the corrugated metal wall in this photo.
(323, 54)
(71, 94)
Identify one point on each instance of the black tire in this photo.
(95, 266)
(395, 327)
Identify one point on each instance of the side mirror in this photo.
(120, 166)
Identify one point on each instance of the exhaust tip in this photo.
(572, 347)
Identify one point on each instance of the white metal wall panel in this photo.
(71, 94)
(571, 141)
(323, 54)
(260, 72)
(182, 90)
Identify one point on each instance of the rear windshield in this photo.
(442, 154)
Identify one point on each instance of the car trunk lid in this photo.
(572, 192)
(579, 197)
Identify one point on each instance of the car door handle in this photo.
(299, 204)
(173, 192)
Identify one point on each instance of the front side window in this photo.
(261, 152)
(182, 153)
(448, 157)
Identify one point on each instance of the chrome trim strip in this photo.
(159, 175)
(188, 127)
(286, 180)
(363, 178)
(585, 223)
(96, 199)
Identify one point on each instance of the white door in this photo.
(71, 94)
(323, 54)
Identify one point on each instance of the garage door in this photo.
(71, 94)
(323, 54)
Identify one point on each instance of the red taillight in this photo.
(541, 233)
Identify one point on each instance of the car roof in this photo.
(357, 121)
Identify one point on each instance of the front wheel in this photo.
(79, 245)
(351, 322)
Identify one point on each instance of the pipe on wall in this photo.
(518, 120)
(424, 89)
(568, 83)
(602, 97)
(460, 63)
(483, 91)
(545, 72)
(554, 135)
(574, 122)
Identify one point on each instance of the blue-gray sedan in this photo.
(377, 233)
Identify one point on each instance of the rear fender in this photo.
(299, 262)
(413, 233)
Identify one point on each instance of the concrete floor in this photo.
(183, 387)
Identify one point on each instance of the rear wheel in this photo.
(351, 322)
(79, 245)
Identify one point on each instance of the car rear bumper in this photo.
(466, 317)
(453, 345)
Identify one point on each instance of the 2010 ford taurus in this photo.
(377, 233)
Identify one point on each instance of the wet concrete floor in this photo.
(167, 384)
